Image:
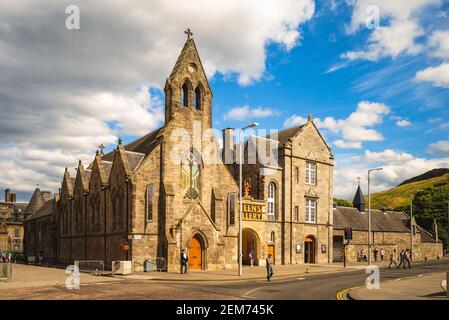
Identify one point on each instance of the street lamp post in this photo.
(369, 213)
(252, 125)
(411, 222)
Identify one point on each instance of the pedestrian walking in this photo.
(362, 255)
(376, 252)
(393, 257)
(407, 258)
(382, 254)
(401, 259)
(269, 263)
(184, 260)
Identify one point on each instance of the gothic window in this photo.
(185, 95)
(191, 163)
(150, 202)
(310, 210)
(198, 98)
(273, 237)
(271, 210)
(296, 214)
(115, 202)
(296, 174)
(121, 208)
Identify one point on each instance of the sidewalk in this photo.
(414, 288)
(249, 273)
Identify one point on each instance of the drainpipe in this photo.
(291, 207)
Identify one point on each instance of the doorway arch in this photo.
(309, 249)
(250, 242)
(197, 252)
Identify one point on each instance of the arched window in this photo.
(191, 165)
(271, 210)
(198, 98)
(185, 95)
(273, 237)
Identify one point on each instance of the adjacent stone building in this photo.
(12, 214)
(389, 230)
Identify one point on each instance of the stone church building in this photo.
(170, 190)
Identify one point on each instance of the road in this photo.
(305, 287)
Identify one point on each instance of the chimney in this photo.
(435, 229)
(7, 195)
(228, 146)
(46, 195)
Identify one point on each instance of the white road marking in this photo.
(420, 275)
(251, 291)
(398, 279)
(301, 278)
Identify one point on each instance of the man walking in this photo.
(375, 254)
(184, 260)
(407, 258)
(269, 263)
(252, 255)
(382, 254)
(401, 259)
(393, 257)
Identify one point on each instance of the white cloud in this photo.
(353, 130)
(294, 121)
(439, 44)
(440, 147)
(397, 33)
(245, 112)
(403, 123)
(397, 167)
(65, 92)
(438, 76)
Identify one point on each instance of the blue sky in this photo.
(379, 95)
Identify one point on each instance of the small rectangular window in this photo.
(16, 233)
(296, 214)
(310, 173)
(150, 202)
(297, 174)
(232, 209)
(310, 211)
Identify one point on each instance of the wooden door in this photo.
(309, 250)
(195, 253)
(271, 251)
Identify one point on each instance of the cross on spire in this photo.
(101, 147)
(189, 33)
(358, 179)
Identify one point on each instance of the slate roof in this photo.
(358, 198)
(45, 210)
(36, 202)
(391, 221)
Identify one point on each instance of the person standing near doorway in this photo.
(269, 263)
(184, 260)
(252, 256)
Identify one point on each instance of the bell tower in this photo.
(187, 92)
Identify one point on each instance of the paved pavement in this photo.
(421, 287)
(315, 285)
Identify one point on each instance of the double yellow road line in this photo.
(341, 295)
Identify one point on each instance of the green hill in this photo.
(399, 196)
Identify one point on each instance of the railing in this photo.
(95, 267)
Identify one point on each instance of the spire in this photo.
(359, 199)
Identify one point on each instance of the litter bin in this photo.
(148, 266)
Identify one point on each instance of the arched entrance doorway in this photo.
(196, 252)
(309, 249)
(250, 243)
